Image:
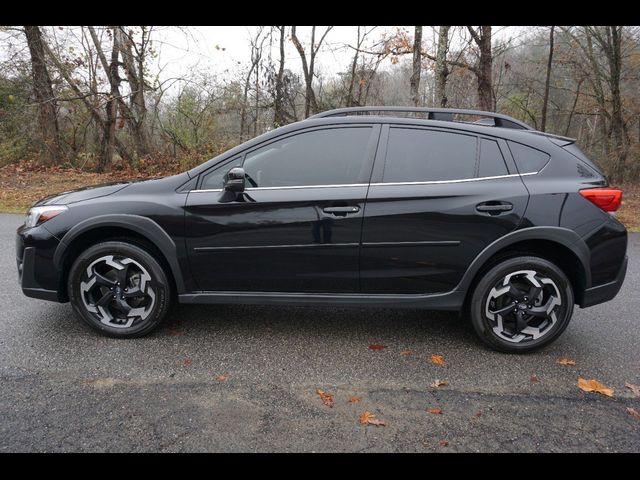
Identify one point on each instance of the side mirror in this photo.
(234, 180)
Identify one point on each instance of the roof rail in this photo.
(445, 114)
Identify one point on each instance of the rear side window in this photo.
(491, 160)
(426, 155)
(528, 159)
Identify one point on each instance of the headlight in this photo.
(38, 215)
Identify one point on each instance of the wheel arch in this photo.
(556, 244)
(103, 227)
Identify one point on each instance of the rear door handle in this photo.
(341, 211)
(494, 207)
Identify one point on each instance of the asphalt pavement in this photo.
(244, 378)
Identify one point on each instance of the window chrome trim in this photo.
(384, 184)
(464, 180)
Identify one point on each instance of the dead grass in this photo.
(21, 186)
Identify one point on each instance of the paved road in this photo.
(64, 388)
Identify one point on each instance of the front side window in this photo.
(333, 156)
(415, 155)
(215, 179)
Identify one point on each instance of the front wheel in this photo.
(119, 289)
(521, 304)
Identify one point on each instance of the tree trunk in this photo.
(279, 117)
(417, 65)
(614, 56)
(310, 102)
(442, 69)
(547, 83)
(50, 152)
(482, 37)
(135, 77)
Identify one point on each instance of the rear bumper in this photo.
(604, 293)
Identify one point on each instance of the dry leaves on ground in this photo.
(566, 361)
(376, 346)
(438, 383)
(222, 378)
(478, 414)
(355, 399)
(435, 411)
(594, 386)
(438, 360)
(186, 362)
(406, 353)
(534, 379)
(370, 418)
(634, 388)
(633, 412)
(327, 399)
(443, 443)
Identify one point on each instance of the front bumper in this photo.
(604, 293)
(36, 273)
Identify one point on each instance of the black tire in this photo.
(489, 297)
(146, 292)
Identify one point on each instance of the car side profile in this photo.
(363, 206)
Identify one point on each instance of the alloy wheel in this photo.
(523, 306)
(118, 291)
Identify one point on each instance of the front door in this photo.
(434, 204)
(297, 226)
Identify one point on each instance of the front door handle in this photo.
(494, 207)
(341, 211)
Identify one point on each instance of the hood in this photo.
(84, 193)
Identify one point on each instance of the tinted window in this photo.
(528, 159)
(321, 157)
(491, 160)
(215, 179)
(425, 155)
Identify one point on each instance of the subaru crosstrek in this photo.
(365, 206)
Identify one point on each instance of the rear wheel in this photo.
(521, 304)
(119, 289)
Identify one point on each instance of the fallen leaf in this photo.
(186, 362)
(436, 411)
(376, 346)
(405, 353)
(566, 361)
(634, 388)
(439, 383)
(444, 443)
(478, 414)
(633, 412)
(535, 379)
(370, 418)
(438, 360)
(222, 378)
(327, 399)
(355, 399)
(594, 386)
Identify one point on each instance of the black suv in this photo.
(366, 206)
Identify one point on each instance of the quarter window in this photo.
(415, 155)
(528, 159)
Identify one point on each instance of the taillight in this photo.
(608, 199)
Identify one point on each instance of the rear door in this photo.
(437, 199)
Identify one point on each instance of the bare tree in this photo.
(545, 101)
(442, 68)
(279, 113)
(417, 66)
(133, 60)
(308, 66)
(50, 152)
(484, 66)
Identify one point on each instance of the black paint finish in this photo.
(369, 243)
